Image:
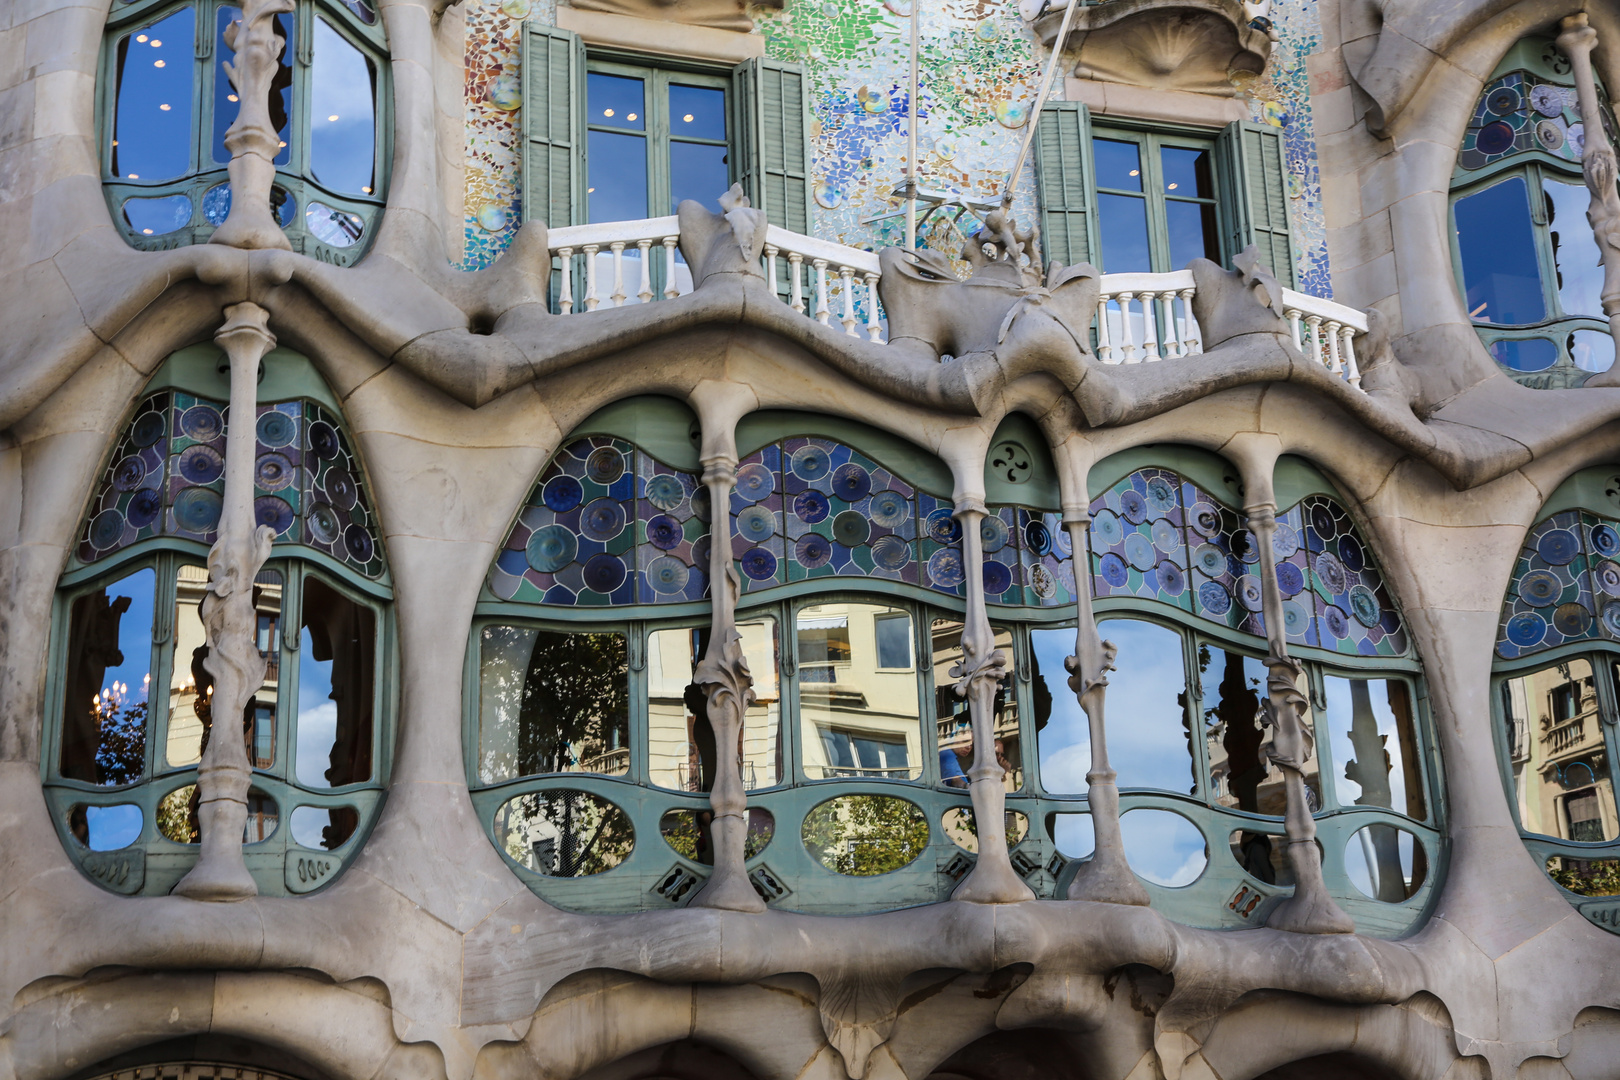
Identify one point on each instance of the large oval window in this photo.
(866, 835)
(563, 832)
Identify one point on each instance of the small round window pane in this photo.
(1163, 847)
(323, 827)
(564, 833)
(105, 828)
(963, 831)
(864, 835)
(1385, 863)
(687, 831)
(1586, 877)
(1263, 856)
(1073, 835)
(1525, 354)
(1592, 350)
(335, 228)
(158, 216)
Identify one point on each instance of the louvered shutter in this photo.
(1067, 186)
(1254, 195)
(553, 135)
(771, 143)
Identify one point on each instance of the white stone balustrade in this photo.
(1141, 318)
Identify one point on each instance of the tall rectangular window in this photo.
(654, 138)
(1156, 202)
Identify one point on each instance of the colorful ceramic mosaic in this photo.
(1156, 536)
(979, 66)
(607, 524)
(1522, 111)
(168, 479)
(1566, 586)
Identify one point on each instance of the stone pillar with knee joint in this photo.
(252, 138)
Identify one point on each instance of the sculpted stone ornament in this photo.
(252, 138)
(1578, 39)
(1311, 910)
(1107, 876)
(1187, 45)
(721, 14)
(726, 243)
(724, 678)
(230, 621)
(982, 667)
(1231, 303)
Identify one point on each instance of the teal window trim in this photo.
(204, 173)
(1150, 140)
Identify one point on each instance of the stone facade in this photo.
(446, 374)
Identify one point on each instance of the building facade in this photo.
(835, 540)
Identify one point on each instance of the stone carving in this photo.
(1383, 376)
(1106, 876)
(858, 1007)
(231, 621)
(992, 879)
(727, 243)
(721, 14)
(1578, 39)
(1166, 44)
(1231, 303)
(252, 138)
(723, 677)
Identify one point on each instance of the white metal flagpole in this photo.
(911, 135)
(1040, 100)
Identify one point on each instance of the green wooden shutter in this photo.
(1253, 193)
(1066, 184)
(553, 135)
(771, 145)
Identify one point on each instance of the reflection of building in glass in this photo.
(954, 724)
(858, 692)
(680, 742)
(1557, 754)
(190, 684)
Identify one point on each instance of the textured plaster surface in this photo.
(428, 958)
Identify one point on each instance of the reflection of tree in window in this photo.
(104, 716)
(553, 702)
(564, 833)
(865, 835)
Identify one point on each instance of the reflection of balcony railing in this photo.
(1566, 737)
(685, 781)
(830, 771)
(1138, 316)
(612, 762)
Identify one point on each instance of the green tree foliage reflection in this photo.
(1586, 877)
(865, 835)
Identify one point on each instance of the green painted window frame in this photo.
(204, 173)
(659, 135)
(1149, 142)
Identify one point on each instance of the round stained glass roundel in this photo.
(1210, 559)
(1214, 599)
(993, 534)
(274, 512)
(1038, 537)
(1558, 546)
(144, 508)
(1322, 521)
(604, 573)
(664, 532)
(1284, 541)
(1042, 581)
(1605, 541)
(1164, 535)
(851, 483)
(324, 524)
(813, 550)
(1504, 101)
(148, 429)
(128, 474)
(1170, 578)
(1107, 529)
(272, 472)
(851, 529)
(201, 465)
(551, 548)
(1133, 506)
(106, 529)
(1338, 624)
(1295, 618)
(755, 482)
(811, 463)
(357, 542)
(754, 524)
(1205, 520)
(1572, 620)
(1249, 594)
(197, 509)
(602, 519)
(561, 494)
(1611, 617)
(1365, 606)
(1113, 570)
(890, 552)
(202, 422)
(323, 440)
(276, 429)
(667, 575)
(1330, 571)
(759, 564)
(341, 490)
(1495, 138)
(811, 506)
(889, 509)
(1161, 496)
(665, 491)
(604, 465)
(942, 527)
(1540, 588)
(997, 578)
(1290, 579)
(1607, 576)
(945, 568)
(1526, 629)
(1139, 551)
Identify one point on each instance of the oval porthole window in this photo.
(323, 827)
(564, 833)
(1585, 877)
(960, 826)
(687, 831)
(865, 835)
(1163, 847)
(105, 828)
(177, 816)
(1263, 856)
(1385, 863)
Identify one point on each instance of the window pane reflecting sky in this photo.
(152, 129)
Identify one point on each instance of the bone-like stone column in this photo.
(1310, 910)
(992, 879)
(1597, 163)
(229, 622)
(1106, 876)
(252, 138)
(728, 687)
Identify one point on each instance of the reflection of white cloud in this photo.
(1074, 836)
(1064, 773)
(1147, 739)
(1163, 847)
(317, 731)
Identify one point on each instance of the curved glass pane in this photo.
(1495, 237)
(1556, 753)
(342, 114)
(962, 828)
(323, 827)
(1586, 877)
(551, 702)
(951, 717)
(1525, 354)
(333, 227)
(860, 719)
(564, 833)
(865, 835)
(336, 667)
(262, 817)
(152, 115)
(687, 831)
(1385, 863)
(109, 671)
(177, 815)
(1263, 856)
(1575, 250)
(1163, 847)
(1240, 771)
(1062, 732)
(1149, 737)
(191, 685)
(105, 828)
(1073, 835)
(281, 86)
(1592, 350)
(680, 741)
(157, 216)
(1372, 738)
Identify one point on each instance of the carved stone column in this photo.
(229, 623)
(1310, 910)
(252, 139)
(1597, 162)
(992, 879)
(1106, 877)
(728, 687)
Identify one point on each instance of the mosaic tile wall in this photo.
(980, 67)
(168, 479)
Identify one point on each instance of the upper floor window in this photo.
(656, 138)
(1524, 251)
(168, 104)
(1138, 198)
(132, 691)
